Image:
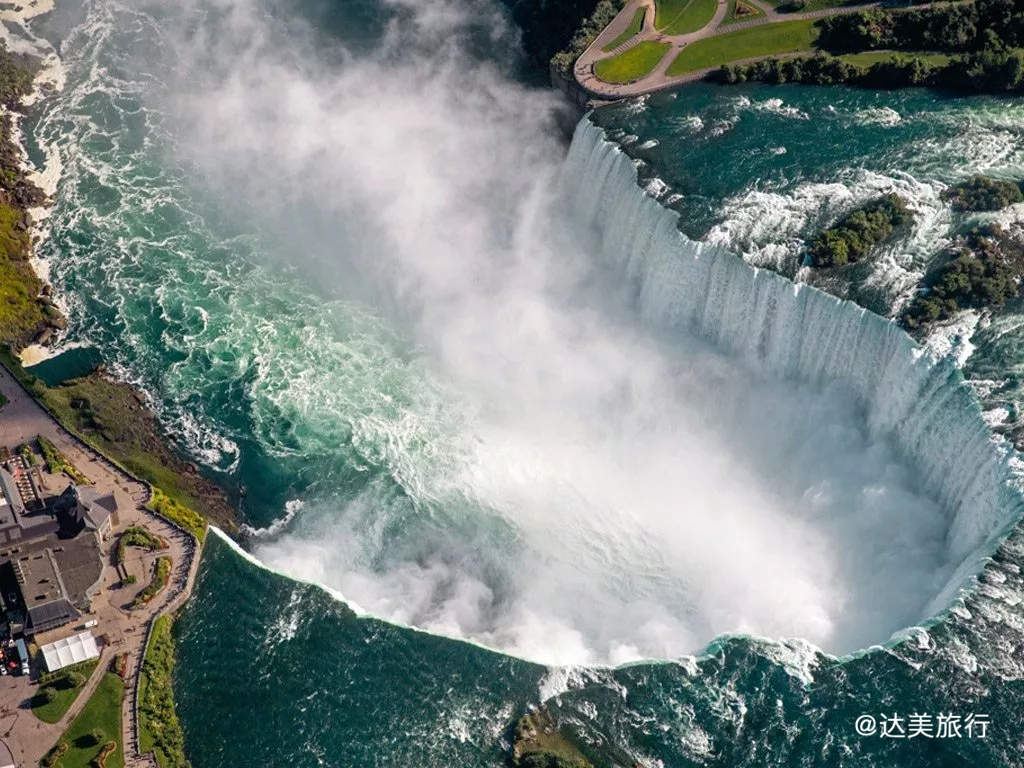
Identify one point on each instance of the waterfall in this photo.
(795, 331)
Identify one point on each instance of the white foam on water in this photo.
(884, 116)
(770, 229)
(952, 339)
(292, 508)
(603, 516)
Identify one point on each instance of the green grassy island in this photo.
(852, 237)
(983, 271)
(980, 193)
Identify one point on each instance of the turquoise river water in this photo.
(512, 423)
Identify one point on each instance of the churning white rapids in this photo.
(647, 443)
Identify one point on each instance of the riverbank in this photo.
(112, 418)
(126, 630)
(27, 311)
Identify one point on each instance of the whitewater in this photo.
(777, 482)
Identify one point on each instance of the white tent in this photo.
(70, 650)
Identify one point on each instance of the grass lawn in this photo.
(634, 27)
(66, 694)
(765, 40)
(666, 11)
(692, 16)
(633, 64)
(869, 58)
(103, 714)
(732, 18)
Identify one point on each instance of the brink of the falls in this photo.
(797, 332)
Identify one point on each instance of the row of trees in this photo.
(988, 71)
(983, 40)
(983, 25)
(586, 32)
(549, 27)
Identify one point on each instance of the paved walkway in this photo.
(659, 79)
(126, 631)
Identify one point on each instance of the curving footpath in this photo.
(659, 79)
(128, 631)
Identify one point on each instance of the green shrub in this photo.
(178, 513)
(47, 695)
(56, 753)
(160, 729)
(161, 574)
(592, 26)
(25, 451)
(57, 463)
(100, 761)
(137, 537)
(64, 676)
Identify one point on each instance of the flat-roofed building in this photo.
(50, 581)
(47, 604)
(51, 559)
